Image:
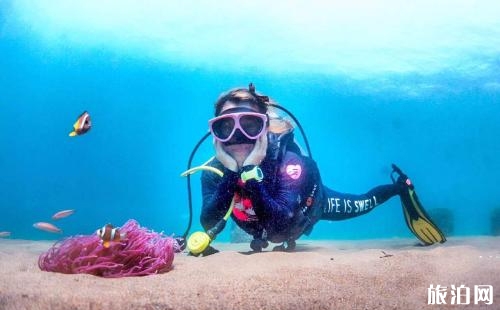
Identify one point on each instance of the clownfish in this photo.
(82, 125)
(109, 234)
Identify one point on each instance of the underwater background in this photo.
(416, 84)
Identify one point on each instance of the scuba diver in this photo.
(262, 180)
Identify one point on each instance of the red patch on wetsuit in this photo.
(243, 209)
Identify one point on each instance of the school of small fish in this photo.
(49, 227)
(81, 126)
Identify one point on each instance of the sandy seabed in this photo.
(318, 275)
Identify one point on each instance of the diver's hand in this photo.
(226, 159)
(258, 153)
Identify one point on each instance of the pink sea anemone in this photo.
(141, 253)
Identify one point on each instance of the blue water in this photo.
(369, 90)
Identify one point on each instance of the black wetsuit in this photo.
(288, 201)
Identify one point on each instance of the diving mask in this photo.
(250, 124)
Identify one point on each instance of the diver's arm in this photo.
(277, 208)
(217, 194)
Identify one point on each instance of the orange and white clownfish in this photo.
(82, 125)
(109, 234)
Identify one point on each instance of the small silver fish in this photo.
(62, 214)
(47, 227)
(4, 234)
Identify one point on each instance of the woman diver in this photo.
(273, 191)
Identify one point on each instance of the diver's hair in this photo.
(278, 124)
(239, 95)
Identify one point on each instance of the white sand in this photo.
(319, 275)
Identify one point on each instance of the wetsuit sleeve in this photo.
(217, 194)
(276, 205)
